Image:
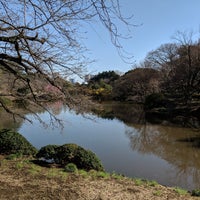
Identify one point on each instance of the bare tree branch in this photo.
(39, 38)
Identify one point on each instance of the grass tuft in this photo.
(34, 169)
(152, 183)
(19, 165)
(13, 156)
(103, 175)
(117, 176)
(180, 191)
(83, 173)
(138, 181)
(157, 193)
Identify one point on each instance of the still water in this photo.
(125, 144)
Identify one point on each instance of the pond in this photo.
(124, 142)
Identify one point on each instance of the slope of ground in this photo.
(22, 179)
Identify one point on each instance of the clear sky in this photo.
(157, 20)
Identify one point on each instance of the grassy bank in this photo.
(21, 179)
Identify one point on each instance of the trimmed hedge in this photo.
(86, 159)
(14, 143)
(67, 152)
(71, 153)
(47, 152)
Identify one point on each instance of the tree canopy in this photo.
(40, 37)
(106, 76)
(179, 64)
(136, 84)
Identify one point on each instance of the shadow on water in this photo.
(134, 113)
(125, 112)
(152, 135)
(169, 144)
(194, 141)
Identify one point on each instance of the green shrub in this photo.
(66, 153)
(71, 153)
(48, 152)
(87, 160)
(71, 167)
(196, 192)
(14, 143)
(84, 159)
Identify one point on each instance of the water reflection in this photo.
(166, 143)
(175, 145)
(135, 113)
(123, 139)
(127, 113)
(7, 121)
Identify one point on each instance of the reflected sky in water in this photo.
(147, 151)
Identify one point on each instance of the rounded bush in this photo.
(48, 152)
(87, 160)
(66, 153)
(196, 192)
(14, 143)
(71, 153)
(84, 159)
(71, 167)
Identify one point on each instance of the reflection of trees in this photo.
(128, 113)
(55, 107)
(8, 122)
(169, 143)
(135, 114)
(164, 142)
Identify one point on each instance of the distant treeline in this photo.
(169, 78)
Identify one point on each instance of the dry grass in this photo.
(20, 179)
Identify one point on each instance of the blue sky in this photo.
(157, 20)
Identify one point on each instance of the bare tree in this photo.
(39, 37)
(180, 66)
(136, 84)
